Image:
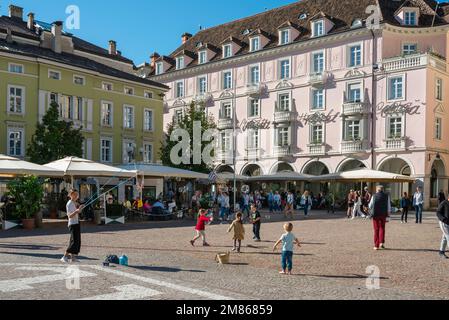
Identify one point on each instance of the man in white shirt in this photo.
(418, 204)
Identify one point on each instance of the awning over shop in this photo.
(283, 176)
(159, 171)
(12, 167)
(364, 175)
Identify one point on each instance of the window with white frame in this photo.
(106, 150)
(202, 85)
(395, 127)
(355, 56)
(226, 110)
(128, 117)
(179, 89)
(254, 75)
(255, 44)
(409, 48)
(410, 18)
(227, 80)
(148, 95)
(254, 108)
(179, 63)
(253, 139)
(16, 98)
(354, 93)
(159, 68)
(54, 98)
(107, 86)
(148, 153)
(77, 108)
(225, 142)
(202, 57)
(317, 133)
(318, 99)
(15, 142)
(439, 89)
(79, 80)
(129, 151)
(352, 130)
(227, 51)
(284, 69)
(318, 62)
(396, 88)
(438, 128)
(55, 75)
(129, 91)
(178, 115)
(106, 114)
(283, 136)
(318, 28)
(284, 36)
(16, 68)
(148, 120)
(71, 108)
(284, 102)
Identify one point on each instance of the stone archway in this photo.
(252, 170)
(316, 168)
(351, 164)
(282, 167)
(437, 174)
(398, 166)
(224, 169)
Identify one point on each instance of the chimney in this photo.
(30, 23)
(112, 48)
(153, 59)
(56, 31)
(15, 12)
(185, 37)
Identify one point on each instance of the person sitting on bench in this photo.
(158, 208)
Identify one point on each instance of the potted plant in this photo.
(27, 193)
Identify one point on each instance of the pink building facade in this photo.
(311, 89)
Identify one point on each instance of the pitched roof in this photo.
(341, 12)
(73, 60)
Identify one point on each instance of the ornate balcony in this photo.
(253, 153)
(317, 79)
(224, 155)
(398, 143)
(282, 151)
(317, 148)
(352, 108)
(225, 123)
(283, 116)
(352, 146)
(256, 89)
(413, 61)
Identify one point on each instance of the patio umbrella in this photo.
(283, 176)
(154, 170)
(77, 167)
(364, 175)
(11, 167)
(227, 176)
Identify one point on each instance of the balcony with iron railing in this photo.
(352, 146)
(414, 61)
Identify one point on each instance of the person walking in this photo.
(418, 204)
(256, 220)
(306, 202)
(270, 200)
(380, 207)
(405, 206)
(245, 205)
(443, 216)
(330, 203)
(351, 202)
(357, 211)
(239, 232)
(366, 200)
(277, 202)
(73, 212)
(289, 205)
(200, 228)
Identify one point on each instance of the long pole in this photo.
(234, 135)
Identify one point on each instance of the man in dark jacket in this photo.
(380, 208)
(443, 216)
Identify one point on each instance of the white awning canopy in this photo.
(283, 176)
(364, 175)
(77, 167)
(159, 171)
(12, 167)
(227, 176)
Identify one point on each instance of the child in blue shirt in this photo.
(288, 240)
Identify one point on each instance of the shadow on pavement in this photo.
(354, 276)
(28, 247)
(45, 256)
(164, 269)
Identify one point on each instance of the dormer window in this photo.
(180, 63)
(202, 57)
(318, 28)
(410, 18)
(227, 51)
(255, 44)
(159, 68)
(284, 36)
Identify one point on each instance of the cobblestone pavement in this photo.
(332, 264)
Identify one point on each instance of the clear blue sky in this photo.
(141, 27)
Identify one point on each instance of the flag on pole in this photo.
(213, 177)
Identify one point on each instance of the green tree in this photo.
(192, 114)
(55, 139)
(27, 193)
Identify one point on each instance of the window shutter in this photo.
(89, 114)
(42, 99)
(89, 149)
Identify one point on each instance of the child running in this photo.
(239, 232)
(201, 228)
(287, 240)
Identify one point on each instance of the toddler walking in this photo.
(239, 232)
(201, 228)
(288, 240)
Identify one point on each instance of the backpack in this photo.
(113, 259)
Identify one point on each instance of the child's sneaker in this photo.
(234, 249)
(192, 243)
(282, 272)
(64, 260)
